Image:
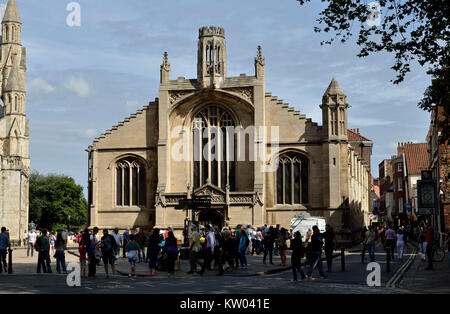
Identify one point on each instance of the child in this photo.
(82, 251)
(133, 250)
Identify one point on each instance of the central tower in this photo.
(212, 57)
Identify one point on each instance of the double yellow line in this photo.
(392, 283)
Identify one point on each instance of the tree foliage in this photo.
(53, 198)
(411, 30)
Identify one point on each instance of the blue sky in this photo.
(83, 80)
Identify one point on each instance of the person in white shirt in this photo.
(209, 252)
(31, 241)
(118, 239)
(24, 237)
(400, 244)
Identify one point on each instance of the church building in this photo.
(14, 127)
(139, 172)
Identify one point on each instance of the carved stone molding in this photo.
(245, 92)
(177, 95)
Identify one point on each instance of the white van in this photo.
(305, 222)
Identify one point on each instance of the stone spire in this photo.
(12, 13)
(260, 62)
(15, 82)
(334, 88)
(212, 57)
(165, 69)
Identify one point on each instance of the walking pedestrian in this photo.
(298, 252)
(154, 247)
(43, 247)
(316, 253)
(52, 239)
(4, 246)
(370, 243)
(194, 249)
(243, 245)
(400, 244)
(171, 248)
(24, 238)
(429, 240)
(132, 249)
(60, 247)
(31, 239)
(277, 233)
(390, 240)
(108, 247)
(82, 252)
(259, 239)
(330, 246)
(227, 252)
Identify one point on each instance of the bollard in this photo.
(10, 261)
(388, 259)
(363, 254)
(343, 259)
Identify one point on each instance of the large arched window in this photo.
(292, 179)
(130, 182)
(213, 148)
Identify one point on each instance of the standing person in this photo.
(82, 252)
(330, 246)
(298, 252)
(259, 239)
(92, 250)
(60, 246)
(4, 246)
(254, 242)
(154, 247)
(141, 239)
(249, 232)
(31, 240)
(227, 252)
(52, 239)
(429, 240)
(282, 245)
(370, 243)
(194, 249)
(316, 253)
(108, 247)
(268, 245)
(275, 237)
(421, 240)
(400, 244)
(243, 245)
(24, 237)
(209, 249)
(217, 247)
(132, 249)
(126, 238)
(235, 249)
(43, 246)
(118, 238)
(390, 240)
(171, 247)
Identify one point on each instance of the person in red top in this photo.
(429, 238)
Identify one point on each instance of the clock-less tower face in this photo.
(427, 195)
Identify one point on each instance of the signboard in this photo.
(427, 197)
(197, 203)
(408, 207)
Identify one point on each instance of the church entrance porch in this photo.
(213, 216)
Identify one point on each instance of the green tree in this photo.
(53, 198)
(409, 30)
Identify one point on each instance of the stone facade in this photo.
(137, 179)
(14, 127)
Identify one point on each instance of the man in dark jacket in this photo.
(108, 247)
(269, 239)
(298, 252)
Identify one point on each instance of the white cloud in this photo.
(90, 133)
(79, 86)
(39, 86)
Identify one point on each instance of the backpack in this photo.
(38, 244)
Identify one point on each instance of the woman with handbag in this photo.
(171, 248)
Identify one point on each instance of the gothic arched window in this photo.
(213, 147)
(292, 179)
(130, 182)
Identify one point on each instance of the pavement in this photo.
(419, 280)
(256, 279)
